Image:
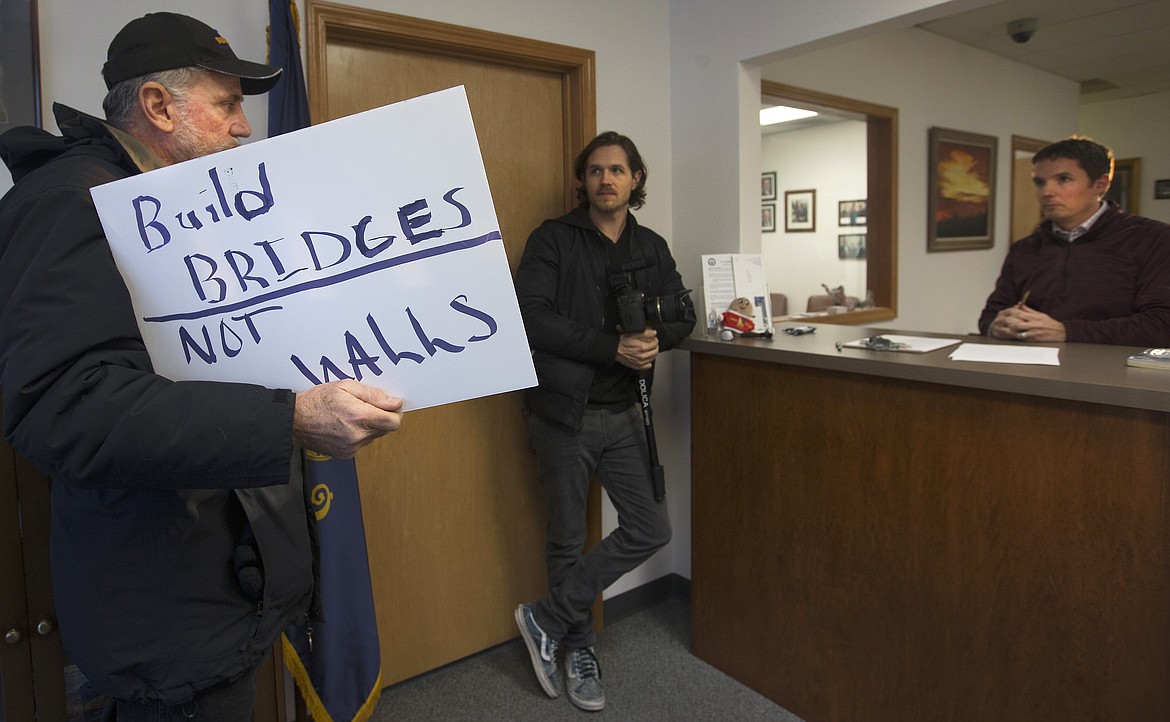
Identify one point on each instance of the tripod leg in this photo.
(657, 473)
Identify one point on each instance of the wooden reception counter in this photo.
(895, 536)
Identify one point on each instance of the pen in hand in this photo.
(1024, 298)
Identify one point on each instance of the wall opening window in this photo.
(833, 232)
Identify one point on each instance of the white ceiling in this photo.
(1113, 48)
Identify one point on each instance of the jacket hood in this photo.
(579, 218)
(26, 148)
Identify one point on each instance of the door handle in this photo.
(44, 627)
(12, 636)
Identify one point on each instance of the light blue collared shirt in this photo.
(1080, 230)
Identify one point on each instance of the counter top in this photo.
(1093, 373)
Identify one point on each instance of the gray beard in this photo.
(187, 144)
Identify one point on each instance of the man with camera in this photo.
(601, 298)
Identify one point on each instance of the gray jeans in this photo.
(612, 446)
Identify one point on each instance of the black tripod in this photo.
(633, 309)
(657, 474)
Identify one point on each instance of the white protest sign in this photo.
(366, 248)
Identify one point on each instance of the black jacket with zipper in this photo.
(562, 284)
(154, 482)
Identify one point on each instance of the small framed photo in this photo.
(1162, 188)
(851, 246)
(768, 186)
(768, 218)
(851, 213)
(800, 211)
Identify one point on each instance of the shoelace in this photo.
(585, 664)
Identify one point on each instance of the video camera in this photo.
(636, 310)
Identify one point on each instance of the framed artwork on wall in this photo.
(768, 186)
(20, 85)
(768, 218)
(800, 211)
(961, 188)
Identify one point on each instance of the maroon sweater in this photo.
(1111, 285)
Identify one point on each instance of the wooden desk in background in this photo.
(894, 536)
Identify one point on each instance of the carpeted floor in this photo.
(647, 669)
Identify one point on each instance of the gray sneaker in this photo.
(585, 680)
(542, 649)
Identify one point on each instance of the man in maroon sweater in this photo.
(1090, 272)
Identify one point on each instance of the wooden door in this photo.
(32, 666)
(16, 666)
(454, 516)
(1026, 213)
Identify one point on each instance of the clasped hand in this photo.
(638, 350)
(1022, 323)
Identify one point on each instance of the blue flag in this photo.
(288, 103)
(337, 663)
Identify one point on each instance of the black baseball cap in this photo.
(166, 41)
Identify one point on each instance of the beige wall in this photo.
(1136, 128)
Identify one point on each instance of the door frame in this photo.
(331, 22)
(881, 143)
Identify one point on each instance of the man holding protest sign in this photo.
(182, 543)
(601, 298)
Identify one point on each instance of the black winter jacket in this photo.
(153, 480)
(562, 285)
